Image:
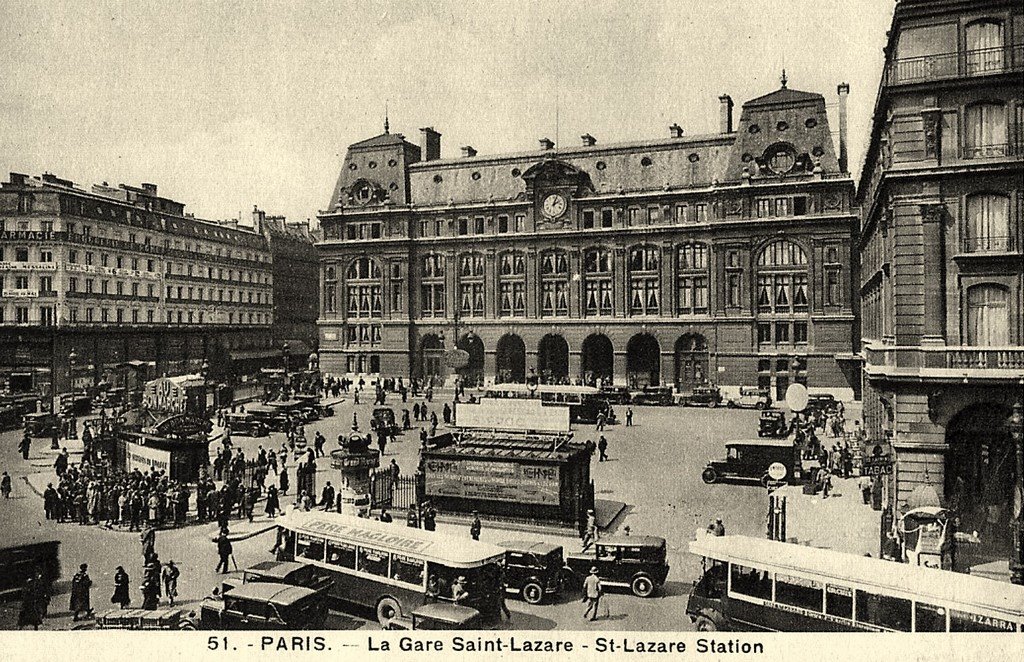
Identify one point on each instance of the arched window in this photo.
(984, 47)
(364, 288)
(512, 284)
(988, 316)
(782, 294)
(554, 283)
(597, 274)
(644, 281)
(471, 285)
(988, 223)
(692, 279)
(432, 286)
(986, 130)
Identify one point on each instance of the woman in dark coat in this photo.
(284, 479)
(30, 613)
(273, 502)
(121, 595)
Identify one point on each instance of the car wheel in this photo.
(187, 626)
(709, 475)
(730, 404)
(387, 609)
(642, 586)
(533, 593)
(712, 404)
(705, 624)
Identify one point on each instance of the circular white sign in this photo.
(796, 397)
(776, 471)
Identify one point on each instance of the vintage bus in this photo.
(752, 584)
(387, 567)
(585, 402)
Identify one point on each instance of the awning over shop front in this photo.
(247, 354)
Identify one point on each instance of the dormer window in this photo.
(362, 193)
(780, 158)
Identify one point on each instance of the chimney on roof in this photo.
(546, 144)
(676, 131)
(258, 218)
(150, 189)
(430, 141)
(725, 114)
(588, 140)
(844, 92)
(468, 151)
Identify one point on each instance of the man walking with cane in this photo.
(225, 551)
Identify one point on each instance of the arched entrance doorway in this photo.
(980, 474)
(473, 372)
(691, 361)
(643, 361)
(553, 359)
(510, 359)
(431, 358)
(598, 359)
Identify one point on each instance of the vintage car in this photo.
(751, 398)
(312, 403)
(144, 619)
(533, 570)
(616, 395)
(438, 616)
(269, 416)
(654, 395)
(41, 424)
(823, 402)
(772, 423)
(264, 606)
(749, 460)
(297, 410)
(703, 396)
(383, 420)
(245, 425)
(281, 572)
(634, 562)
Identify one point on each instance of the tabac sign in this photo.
(492, 480)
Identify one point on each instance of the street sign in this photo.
(796, 397)
(878, 470)
(777, 471)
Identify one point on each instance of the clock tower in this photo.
(554, 186)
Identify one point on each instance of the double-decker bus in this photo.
(585, 402)
(388, 567)
(755, 584)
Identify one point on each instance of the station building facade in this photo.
(724, 258)
(942, 277)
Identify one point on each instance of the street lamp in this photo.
(286, 356)
(1016, 425)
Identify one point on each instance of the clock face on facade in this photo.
(554, 206)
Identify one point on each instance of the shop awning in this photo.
(246, 354)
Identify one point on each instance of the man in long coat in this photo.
(81, 585)
(121, 596)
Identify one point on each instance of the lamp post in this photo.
(1016, 425)
(285, 356)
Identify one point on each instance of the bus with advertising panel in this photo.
(388, 567)
(753, 584)
(584, 402)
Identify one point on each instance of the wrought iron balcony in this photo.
(955, 65)
(990, 244)
(946, 363)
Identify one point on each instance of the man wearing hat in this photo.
(81, 584)
(719, 528)
(474, 528)
(459, 592)
(592, 592)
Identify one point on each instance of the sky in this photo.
(230, 104)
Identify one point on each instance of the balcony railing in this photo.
(943, 362)
(988, 244)
(954, 65)
(987, 151)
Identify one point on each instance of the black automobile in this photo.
(823, 402)
(633, 562)
(751, 459)
(703, 396)
(264, 606)
(654, 395)
(269, 416)
(751, 398)
(616, 395)
(383, 420)
(772, 423)
(291, 573)
(438, 616)
(245, 424)
(313, 405)
(40, 424)
(533, 570)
